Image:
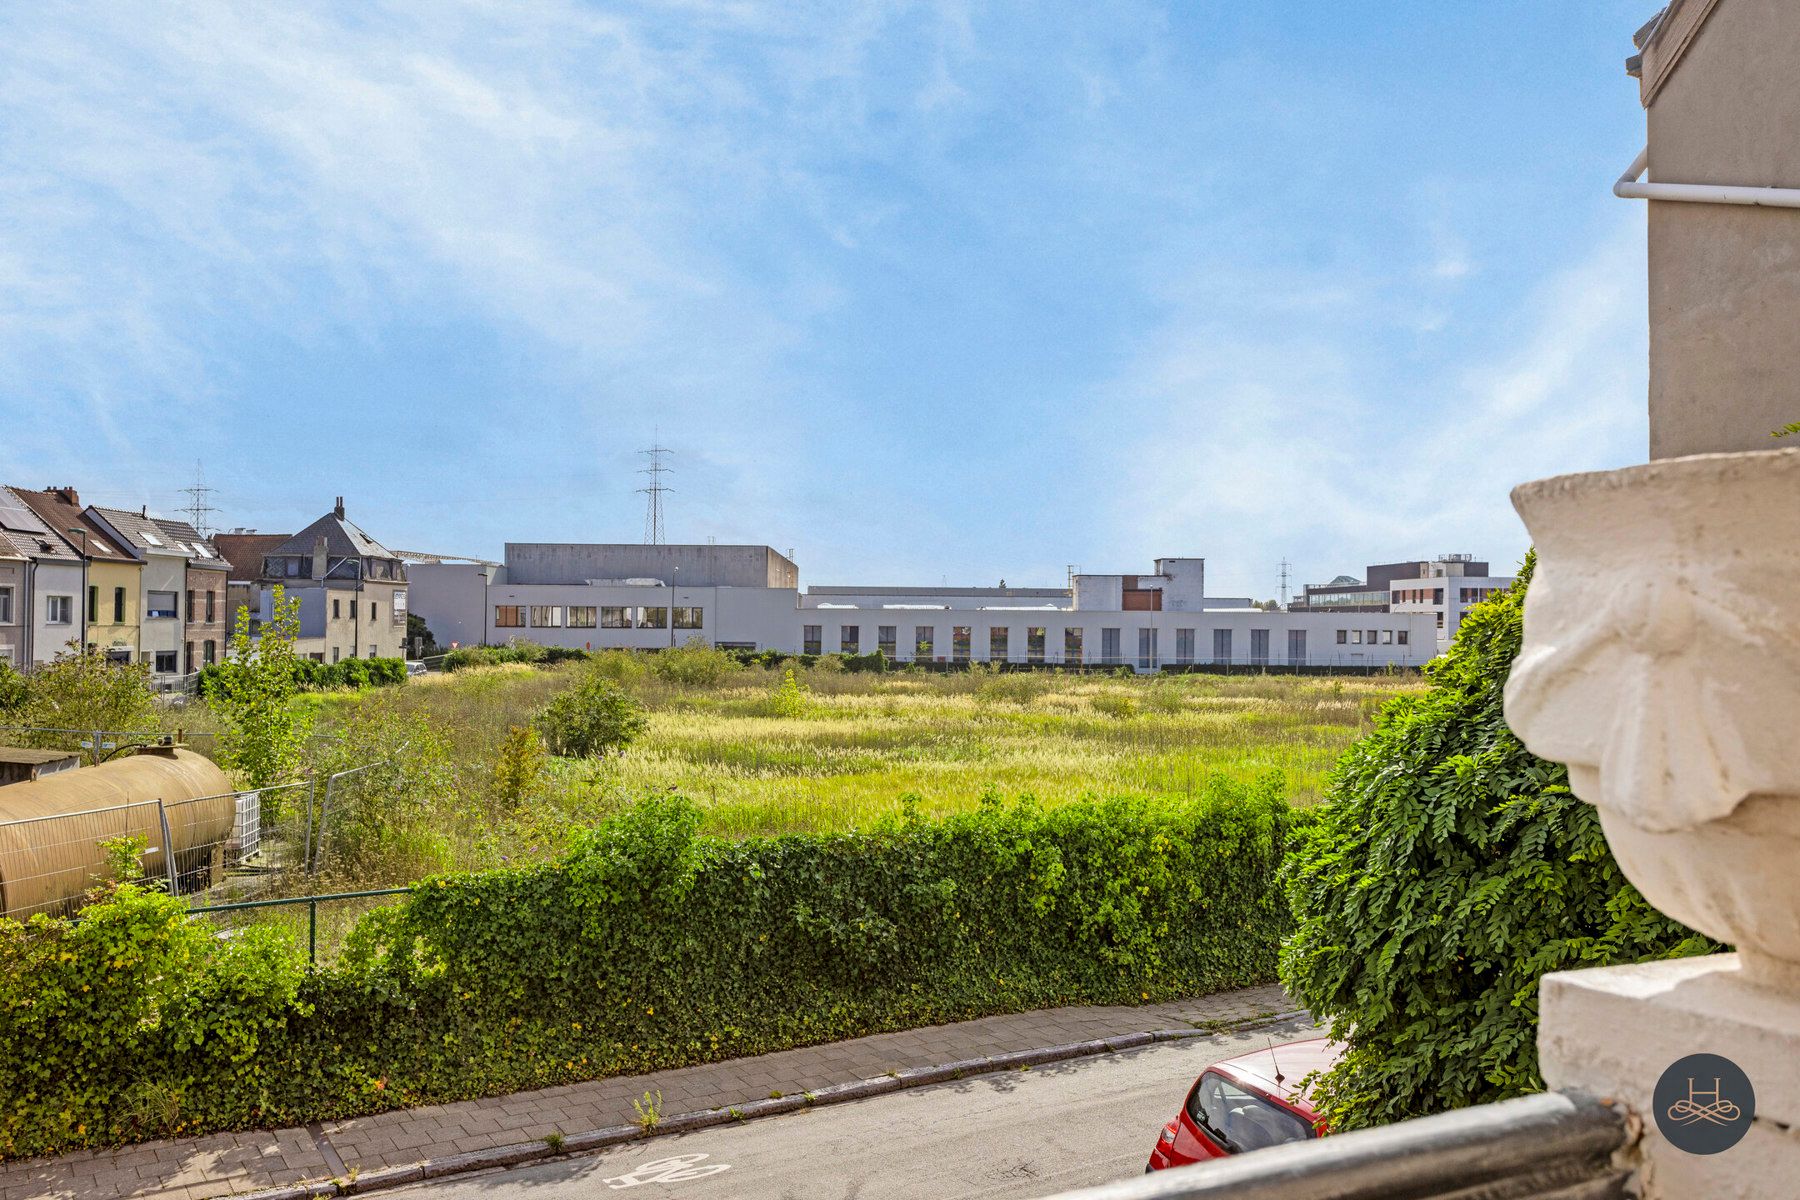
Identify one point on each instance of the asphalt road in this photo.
(1020, 1133)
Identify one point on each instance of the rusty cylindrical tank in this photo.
(51, 828)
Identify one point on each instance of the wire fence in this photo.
(324, 921)
(97, 745)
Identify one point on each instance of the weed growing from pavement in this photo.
(649, 1110)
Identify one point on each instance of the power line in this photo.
(198, 508)
(653, 492)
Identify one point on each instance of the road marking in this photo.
(667, 1170)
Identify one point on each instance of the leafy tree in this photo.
(420, 633)
(590, 720)
(1448, 870)
(263, 733)
(81, 689)
(12, 689)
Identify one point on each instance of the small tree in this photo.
(519, 766)
(81, 689)
(591, 720)
(263, 734)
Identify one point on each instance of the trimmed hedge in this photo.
(323, 677)
(645, 947)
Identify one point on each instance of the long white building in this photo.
(748, 597)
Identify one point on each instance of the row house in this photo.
(182, 588)
(111, 597)
(40, 586)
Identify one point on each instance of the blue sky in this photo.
(922, 291)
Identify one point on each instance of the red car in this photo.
(1246, 1103)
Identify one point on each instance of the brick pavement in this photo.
(230, 1163)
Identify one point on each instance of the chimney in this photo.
(318, 571)
(337, 510)
(66, 495)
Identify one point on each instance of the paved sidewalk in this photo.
(229, 1163)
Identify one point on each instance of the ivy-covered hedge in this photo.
(1449, 869)
(645, 947)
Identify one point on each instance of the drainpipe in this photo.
(1629, 188)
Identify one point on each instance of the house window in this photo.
(615, 616)
(1035, 637)
(160, 605)
(212, 607)
(652, 617)
(1296, 647)
(583, 616)
(1259, 647)
(690, 618)
(546, 616)
(188, 658)
(398, 608)
(1440, 618)
(887, 640)
(335, 654)
(118, 606)
(1147, 657)
(812, 639)
(93, 605)
(1072, 645)
(190, 605)
(6, 603)
(961, 637)
(337, 608)
(1221, 645)
(1184, 645)
(374, 610)
(924, 641)
(211, 649)
(850, 639)
(506, 616)
(997, 644)
(1109, 645)
(59, 610)
(164, 663)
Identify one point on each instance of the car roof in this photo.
(1293, 1061)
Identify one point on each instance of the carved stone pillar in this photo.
(1662, 663)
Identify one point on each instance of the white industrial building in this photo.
(748, 597)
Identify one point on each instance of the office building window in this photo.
(850, 639)
(1343, 636)
(1259, 647)
(812, 639)
(1437, 595)
(1374, 636)
(1109, 645)
(160, 605)
(1296, 647)
(118, 606)
(690, 618)
(653, 617)
(546, 616)
(924, 642)
(1147, 649)
(1184, 645)
(1440, 618)
(615, 616)
(6, 606)
(1356, 637)
(1072, 645)
(1221, 645)
(164, 663)
(1400, 637)
(887, 640)
(583, 616)
(997, 644)
(1387, 637)
(1035, 637)
(506, 616)
(961, 638)
(59, 610)
(211, 650)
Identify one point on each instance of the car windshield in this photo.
(1240, 1120)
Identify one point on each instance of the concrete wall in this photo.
(449, 596)
(12, 632)
(1725, 279)
(692, 566)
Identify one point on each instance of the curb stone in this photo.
(837, 1093)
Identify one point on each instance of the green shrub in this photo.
(645, 947)
(790, 698)
(515, 651)
(1450, 869)
(695, 664)
(12, 689)
(590, 720)
(1114, 705)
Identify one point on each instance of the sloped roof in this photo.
(1663, 42)
(342, 540)
(200, 552)
(63, 516)
(141, 530)
(243, 552)
(25, 533)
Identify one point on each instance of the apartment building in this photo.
(1443, 588)
(45, 610)
(352, 590)
(111, 599)
(1147, 622)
